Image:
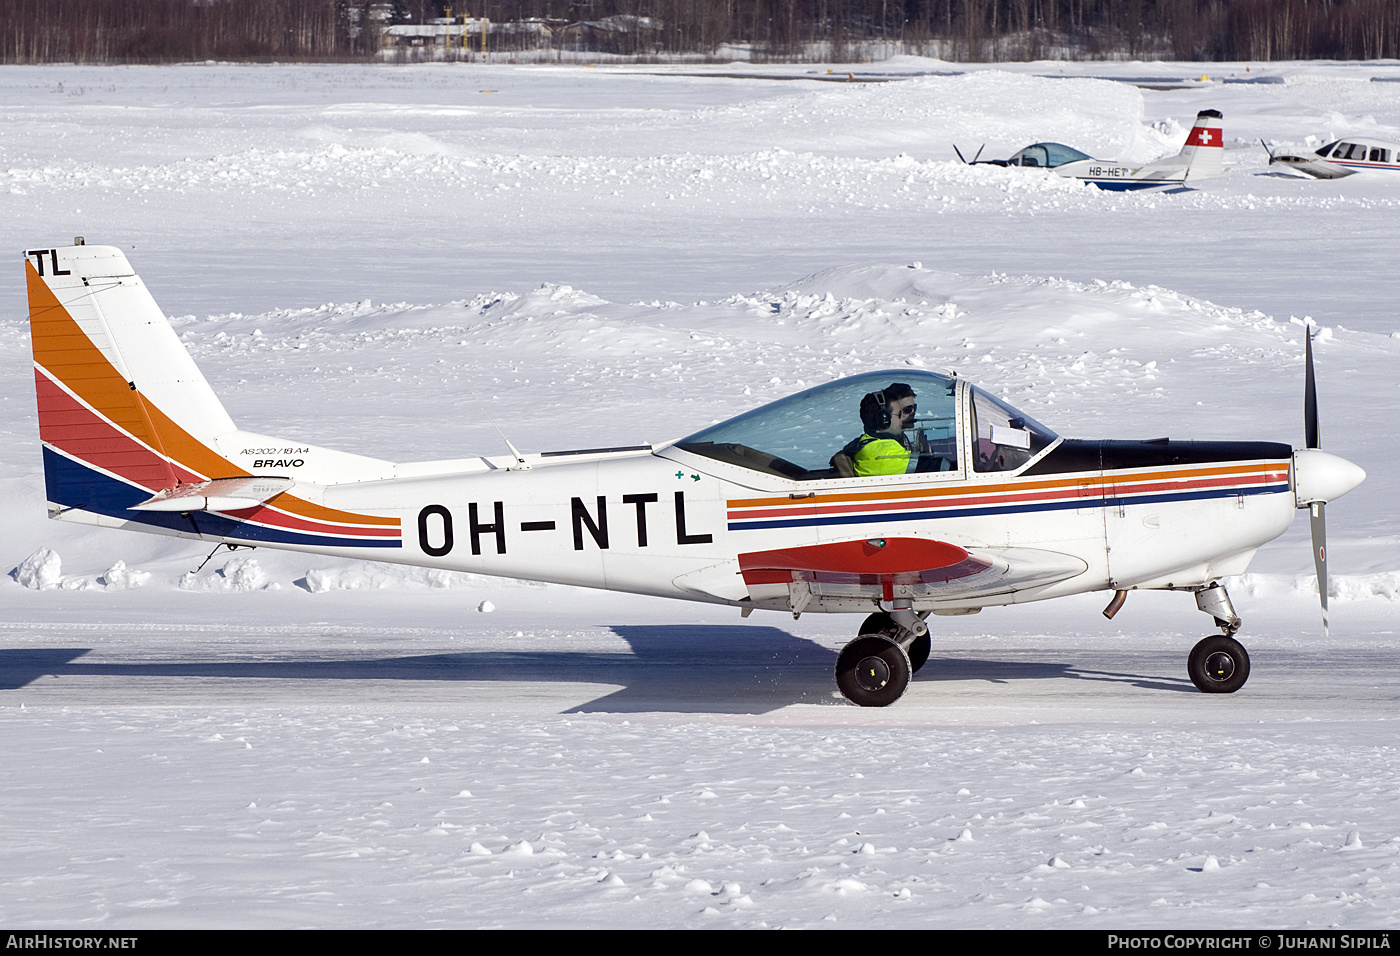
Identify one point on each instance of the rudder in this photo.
(1204, 152)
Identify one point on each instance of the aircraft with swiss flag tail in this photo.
(898, 495)
(1201, 158)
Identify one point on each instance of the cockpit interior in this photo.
(803, 437)
(1047, 156)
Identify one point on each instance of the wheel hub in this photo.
(872, 673)
(1220, 666)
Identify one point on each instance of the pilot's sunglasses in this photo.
(906, 412)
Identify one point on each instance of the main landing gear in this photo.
(1218, 664)
(874, 669)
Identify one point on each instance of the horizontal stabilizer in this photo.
(220, 494)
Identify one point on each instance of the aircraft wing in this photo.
(923, 569)
(1311, 165)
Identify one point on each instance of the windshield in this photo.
(1006, 438)
(851, 427)
(1048, 155)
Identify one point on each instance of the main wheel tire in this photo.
(873, 671)
(882, 624)
(878, 623)
(919, 651)
(1218, 665)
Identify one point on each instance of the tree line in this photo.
(143, 31)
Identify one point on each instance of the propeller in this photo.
(1319, 478)
(974, 158)
(1317, 514)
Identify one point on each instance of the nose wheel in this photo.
(1218, 665)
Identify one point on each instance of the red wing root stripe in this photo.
(877, 556)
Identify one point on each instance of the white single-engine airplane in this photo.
(1342, 158)
(895, 494)
(1201, 158)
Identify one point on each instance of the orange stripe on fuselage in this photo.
(1091, 483)
(1008, 496)
(280, 518)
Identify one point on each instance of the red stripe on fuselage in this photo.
(272, 517)
(961, 500)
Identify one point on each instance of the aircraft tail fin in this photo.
(128, 421)
(1204, 152)
(117, 391)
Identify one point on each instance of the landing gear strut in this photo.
(917, 647)
(874, 669)
(1219, 664)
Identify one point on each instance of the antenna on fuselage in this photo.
(520, 463)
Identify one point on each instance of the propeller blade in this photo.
(1268, 150)
(1318, 524)
(1314, 436)
(979, 152)
(959, 152)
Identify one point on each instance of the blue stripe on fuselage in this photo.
(1009, 509)
(1127, 185)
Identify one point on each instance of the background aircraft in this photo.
(969, 502)
(1201, 158)
(1342, 158)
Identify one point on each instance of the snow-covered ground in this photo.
(381, 259)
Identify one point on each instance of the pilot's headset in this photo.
(875, 412)
(875, 406)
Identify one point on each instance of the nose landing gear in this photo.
(1219, 664)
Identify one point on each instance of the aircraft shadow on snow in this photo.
(738, 669)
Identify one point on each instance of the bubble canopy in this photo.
(797, 437)
(1047, 155)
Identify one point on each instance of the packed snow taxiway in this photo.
(588, 256)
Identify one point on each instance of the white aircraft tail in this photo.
(132, 432)
(1204, 152)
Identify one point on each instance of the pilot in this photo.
(885, 448)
